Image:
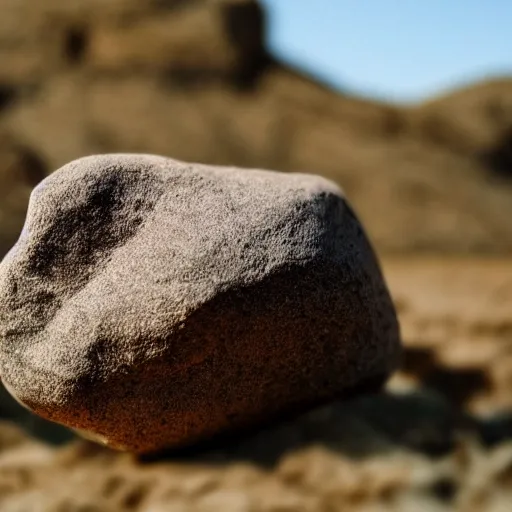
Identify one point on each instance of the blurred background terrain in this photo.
(195, 80)
(431, 179)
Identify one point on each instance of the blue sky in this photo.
(403, 50)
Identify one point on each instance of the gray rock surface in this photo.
(154, 303)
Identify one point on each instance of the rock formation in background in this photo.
(194, 80)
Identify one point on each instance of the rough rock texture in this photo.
(154, 302)
(194, 79)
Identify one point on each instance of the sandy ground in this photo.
(438, 439)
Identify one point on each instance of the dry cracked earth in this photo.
(438, 439)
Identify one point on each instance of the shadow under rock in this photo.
(496, 429)
(372, 424)
(456, 385)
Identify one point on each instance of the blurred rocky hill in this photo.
(194, 80)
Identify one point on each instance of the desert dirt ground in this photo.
(438, 439)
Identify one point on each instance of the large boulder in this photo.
(153, 303)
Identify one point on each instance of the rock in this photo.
(153, 303)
